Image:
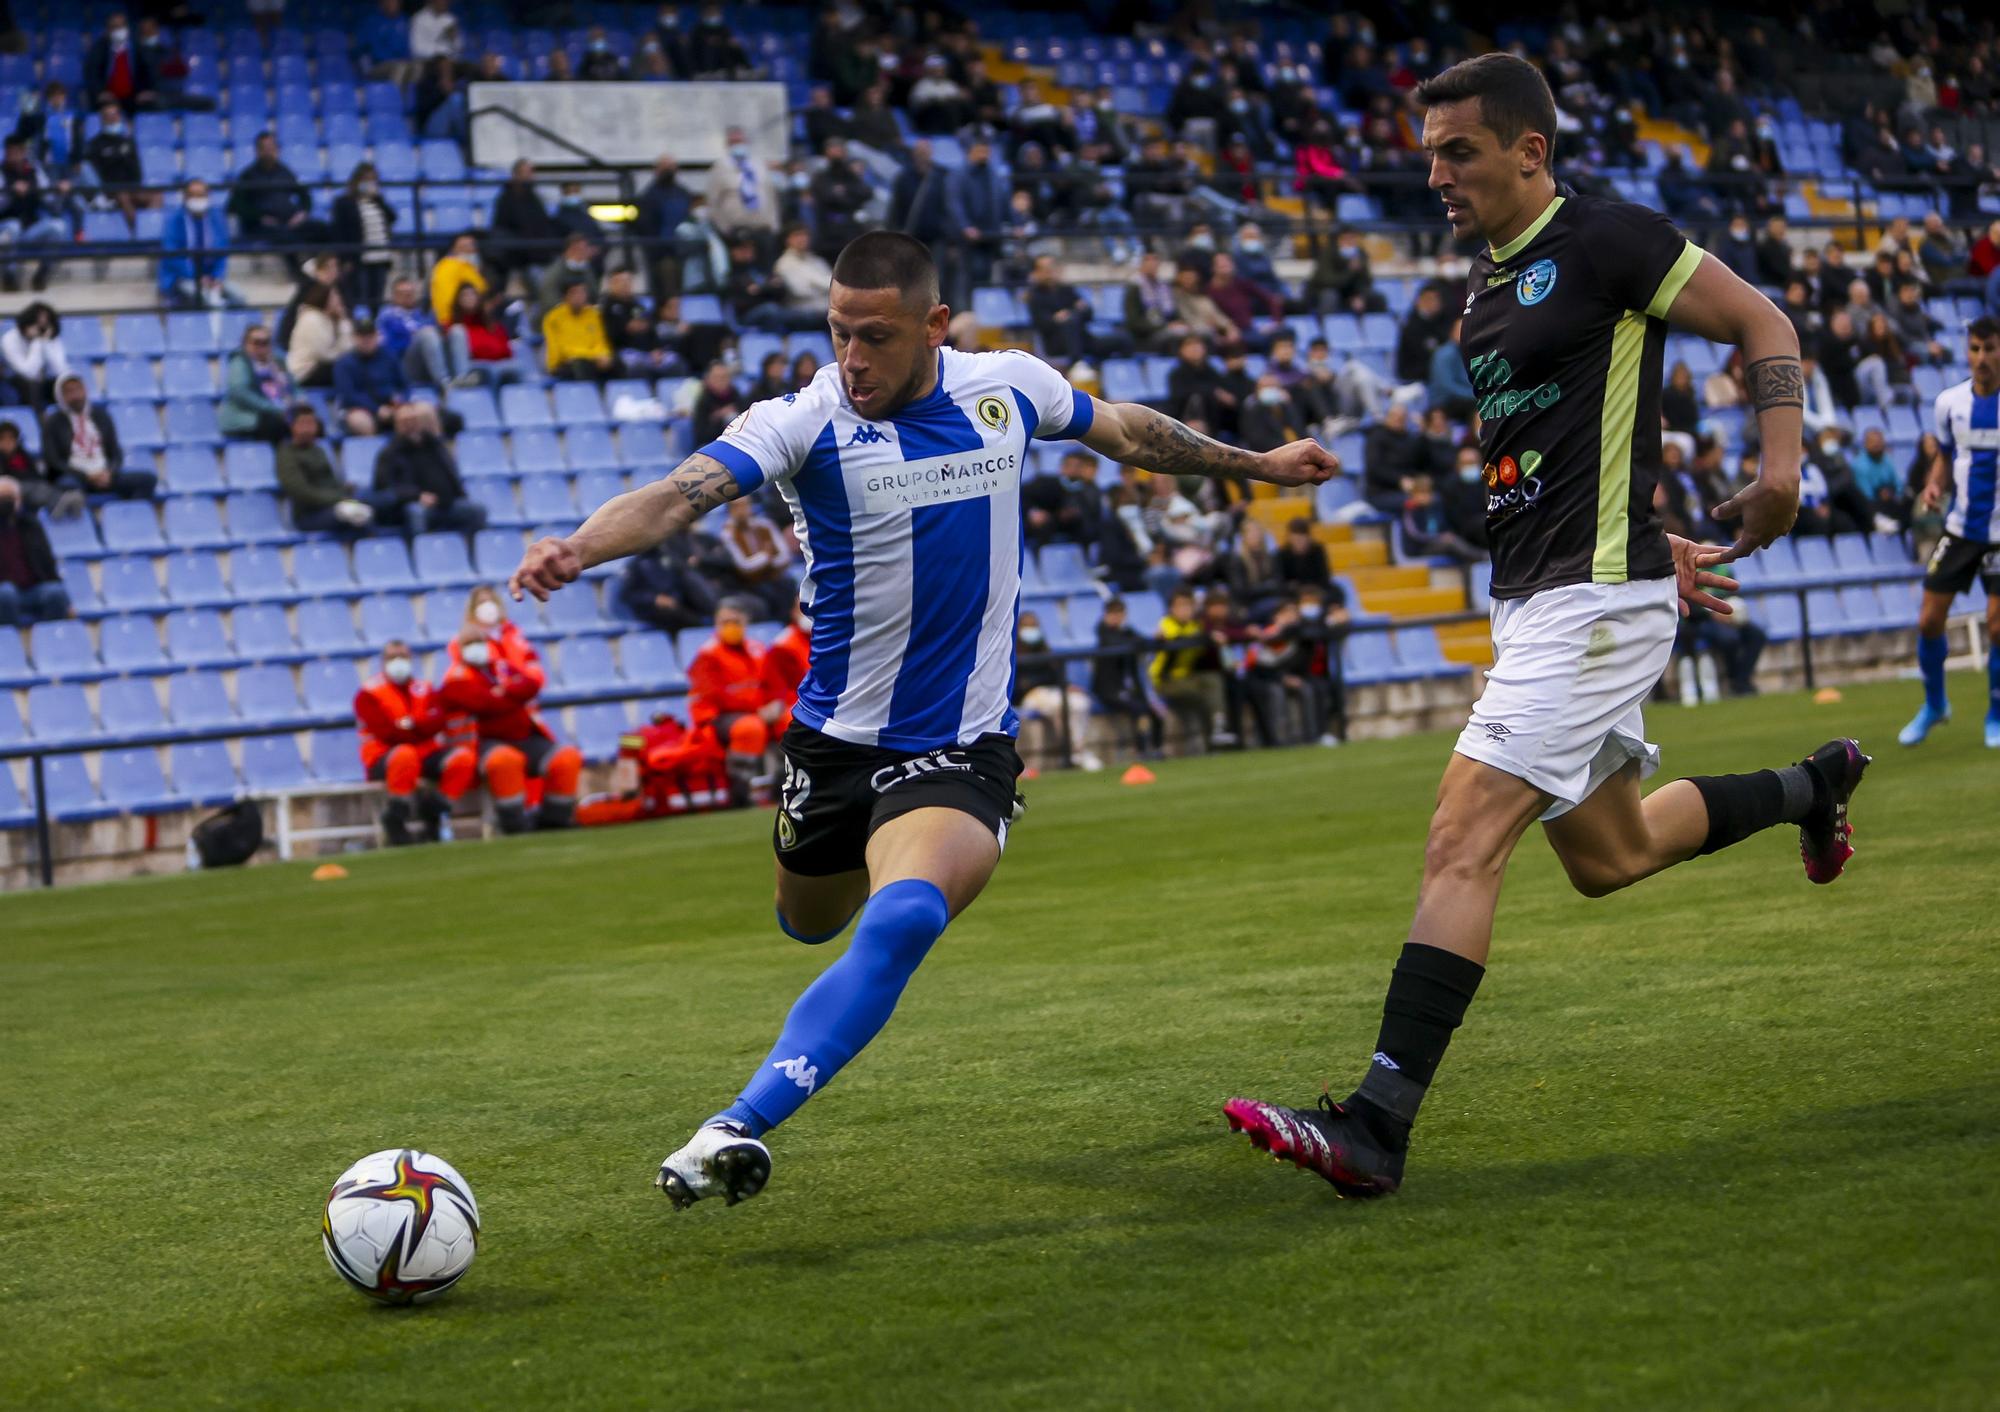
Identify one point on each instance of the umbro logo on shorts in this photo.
(1495, 729)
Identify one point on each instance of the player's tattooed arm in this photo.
(627, 524)
(1775, 382)
(1136, 435)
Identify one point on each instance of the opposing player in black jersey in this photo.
(1565, 320)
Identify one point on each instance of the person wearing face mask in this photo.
(600, 63)
(80, 447)
(663, 205)
(362, 221)
(1196, 97)
(31, 589)
(1270, 418)
(575, 267)
(494, 678)
(741, 196)
(524, 233)
(712, 51)
(116, 68)
(730, 699)
(194, 259)
(1041, 685)
(1738, 250)
(416, 473)
(401, 720)
(572, 217)
(111, 160)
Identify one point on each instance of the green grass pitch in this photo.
(1724, 1141)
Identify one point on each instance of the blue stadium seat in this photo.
(202, 772)
(320, 567)
(134, 782)
(130, 584)
(130, 706)
(1063, 568)
(257, 573)
(13, 730)
(82, 589)
(524, 406)
(536, 450)
(14, 668)
(383, 563)
(196, 638)
(196, 699)
(1779, 563)
(335, 759)
(546, 497)
(357, 457)
(574, 610)
(1366, 658)
(15, 812)
(272, 762)
(386, 616)
(642, 444)
(577, 404)
(131, 527)
(1816, 561)
(62, 650)
(138, 334)
(130, 645)
(196, 523)
(483, 454)
(84, 339)
(186, 375)
(1826, 613)
(1850, 552)
(590, 448)
(191, 422)
(329, 687)
(58, 711)
(192, 471)
(267, 696)
(73, 797)
(1421, 654)
(248, 465)
(587, 665)
(253, 519)
(263, 635)
(441, 161)
(649, 661)
(476, 405)
(496, 497)
(599, 730)
(689, 641)
(195, 580)
(701, 309)
(130, 379)
(327, 626)
(495, 553)
(595, 487)
(191, 338)
(73, 538)
(442, 559)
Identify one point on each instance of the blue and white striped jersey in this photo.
(1968, 431)
(911, 528)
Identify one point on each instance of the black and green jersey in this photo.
(1565, 328)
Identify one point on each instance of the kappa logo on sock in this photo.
(1386, 1062)
(800, 1072)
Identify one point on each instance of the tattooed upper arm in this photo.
(1775, 382)
(704, 483)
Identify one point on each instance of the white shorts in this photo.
(1572, 667)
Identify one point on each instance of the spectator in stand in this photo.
(664, 205)
(1252, 569)
(114, 67)
(35, 214)
(920, 200)
(840, 193)
(575, 264)
(1914, 327)
(1341, 281)
(774, 378)
(1774, 254)
(494, 678)
(1118, 683)
(411, 335)
(1680, 403)
(636, 341)
(1194, 387)
(81, 451)
(1194, 307)
(760, 560)
(938, 105)
(1884, 350)
(321, 499)
(713, 51)
(600, 64)
(320, 336)
(1425, 529)
(38, 492)
(717, 404)
(524, 234)
(362, 220)
(369, 383)
(1311, 395)
(438, 106)
(1448, 384)
(731, 700)
(1391, 455)
(669, 585)
(1067, 506)
(1188, 674)
(573, 337)
(1439, 453)
(1269, 418)
(741, 196)
(111, 155)
(477, 342)
(1320, 173)
(1942, 252)
(1428, 325)
(1061, 316)
(1151, 316)
(434, 33)
(978, 204)
(34, 355)
(31, 588)
(572, 217)
(256, 391)
(459, 266)
(401, 720)
(1043, 694)
(49, 127)
(1255, 311)
(1738, 250)
(383, 43)
(417, 478)
(1302, 561)
(271, 205)
(806, 280)
(1880, 483)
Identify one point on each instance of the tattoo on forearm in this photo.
(1161, 444)
(705, 483)
(1775, 382)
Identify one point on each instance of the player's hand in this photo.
(1299, 463)
(1691, 564)
(1932, 497)
(547, 566)
(1767, 511)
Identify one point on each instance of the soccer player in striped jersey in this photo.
(902, 463)
(1565, 324)
(1967, 468)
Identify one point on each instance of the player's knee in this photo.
(1463, 845)
(1597, 876)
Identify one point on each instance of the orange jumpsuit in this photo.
(727, 687)
(402, 729)
(785, 663)
(514, 742)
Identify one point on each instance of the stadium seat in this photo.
(263, 635)
(357, 457)
(249, 465)
(574, 610)
(130, 645)
(14, 668)
(138, 334)
(546, 497)
(191, 470)
(130, 584)
(642, 444)
(495, 553)
(320, 567)
(476, 406)
(595, 487)
(329, 686)
(191, 422)
(522, 407)
(134, 782)
(130, 380)
(1063, 568)
(481, 455)
(443, 612)
(196, 638)
(442, 559)
(15, 811)
(73, 538)
(326, 626)
(62, 650)
(1366, 658)
(496, 497)
(590, 448)
(253, 519)
(386, 617)
(138, 426)
(196, 700)
(195, 580)
(258, 573)
(1816, 561)
(186, 375)
(130, 707)
(578, 404)
(203, 774)
(73, 796)
(599, 729)
(1420, 653)
(335, 758)
(13, 729)
(649, 661)
(196, 523)
(131, 527)
(266, 696)
(272, 763)
(536, 450)
(383, 563)
(587, 665)
(192, 337)
(59, 711)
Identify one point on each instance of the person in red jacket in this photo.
(401, 720)
(494, 678)
(730, 698)
(785, 661)
(679, 771)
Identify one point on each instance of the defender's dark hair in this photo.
(887, 259)
(1985, 326)
(1513, 96)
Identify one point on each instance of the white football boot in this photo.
(719, 1160)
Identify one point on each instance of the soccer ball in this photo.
(401, 1226)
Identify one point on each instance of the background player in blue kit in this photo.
(1967, 468)
(902, 464)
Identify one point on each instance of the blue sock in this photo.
(1993, 680)
(847, 1006)
(1931, 652)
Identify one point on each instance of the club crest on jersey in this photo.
(1535, 282)
(993, 412)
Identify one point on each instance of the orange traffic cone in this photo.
(1138, 774)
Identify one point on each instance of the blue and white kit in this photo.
(1968, 431)
(911, 530)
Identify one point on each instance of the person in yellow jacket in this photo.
(1188, 674)
(460, 266)
(573, 336)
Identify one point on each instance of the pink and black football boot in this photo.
(1825, 835)
(1331, 1141)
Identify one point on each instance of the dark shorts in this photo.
(1956, 562)
(433, 766)
(537, 749)
(836, 795)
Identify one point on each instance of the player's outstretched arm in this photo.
(1719, 306)
(626, 524)
(1135, 435)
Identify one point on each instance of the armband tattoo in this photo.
(1775, 382)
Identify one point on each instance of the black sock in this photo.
(1740, 805)
(1427, 998)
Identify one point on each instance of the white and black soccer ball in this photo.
(401, 1226)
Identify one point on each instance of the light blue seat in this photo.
(272, 762)
(335, 760)
(267, 696)
(130, 584)
(320, 567)
(130, 706)
(73, 796)
(383, 563)
(257, 573)
(649, 661)
(196, 700)
(130, 645)
(326, 626)
(135, 783)
(387, 617)
(196, 638)
(62, 649)
(190, 470)
(195, 580)
(59, 712)
(131, 527)
(195, 522)
(263, 634)
(202, 772)
(329, 686)
(249, 465)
